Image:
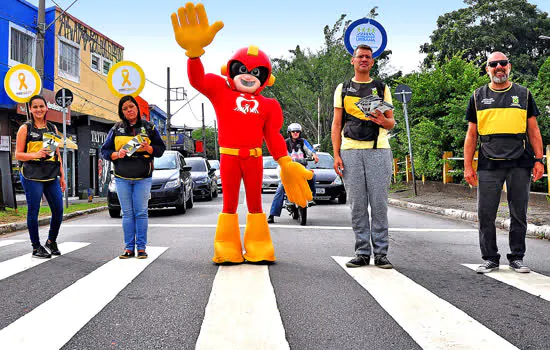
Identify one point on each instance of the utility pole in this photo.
(319, 120)
(40, 32)
(203, 132)
(216, 139)
(168, 137)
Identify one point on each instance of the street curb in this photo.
(542, 231)
(22, 225)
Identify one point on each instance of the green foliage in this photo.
(510, 26)
(211, 141)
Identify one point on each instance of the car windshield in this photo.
(325, 162)
(215, 164)
(196, 164)
(167, 161)
(270, 163)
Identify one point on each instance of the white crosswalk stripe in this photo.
(242, 311)
(74, 306)
(7, 242)
(16, 265)
(532, 283)
(431, 321)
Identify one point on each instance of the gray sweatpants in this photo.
(367, 175)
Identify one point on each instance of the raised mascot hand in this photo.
(192, 30)
(294, 177)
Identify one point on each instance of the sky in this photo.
(144, 29)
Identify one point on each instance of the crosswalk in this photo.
(243, 312)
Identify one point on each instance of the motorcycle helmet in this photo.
(294, 127)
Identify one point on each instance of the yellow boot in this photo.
(257, 241)
(227, 243)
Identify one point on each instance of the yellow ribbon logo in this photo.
(22, 84)
(125, 75)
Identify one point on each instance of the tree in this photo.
(510, 26)
(210, 141)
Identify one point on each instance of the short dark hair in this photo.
(124, 99)
(36, 97)
(362, 46)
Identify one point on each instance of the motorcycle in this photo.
(295, 211)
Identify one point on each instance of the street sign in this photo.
(403, 93)
(366, 31)
(64, 97)
(126, 78)
(22, 82)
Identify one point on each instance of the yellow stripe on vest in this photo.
(502, 121)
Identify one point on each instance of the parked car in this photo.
(329, 185)
(271, 177)
(215, 164)
(204, 177)
(172, 185)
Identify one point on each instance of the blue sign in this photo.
(366, 31)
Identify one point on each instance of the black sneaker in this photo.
(311, 204)
(41, 253)
(487, 266)
(142, 254)
(127, 254)
(519, 266)
(358, 261)
(382, 262)
(52, 247)
(270, 219)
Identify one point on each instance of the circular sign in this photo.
(126, 78)
(64, 102)
(403, 93)
(366, 31)
(22, 82)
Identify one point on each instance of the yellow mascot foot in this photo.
(257, 241)
(227, 244)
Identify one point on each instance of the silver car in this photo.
(271, 174)
(215, 164)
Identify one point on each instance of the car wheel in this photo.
(215, 193)
(302, 215)
(181, 209)
(190, 202)
(209, 197)
(114, 213)
(342, 199)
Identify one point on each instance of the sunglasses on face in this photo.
(494, 64)
(295, 132)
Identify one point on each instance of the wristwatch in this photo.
(539, 160)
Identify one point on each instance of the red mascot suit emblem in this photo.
(245, 118)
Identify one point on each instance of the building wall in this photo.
(92, 95)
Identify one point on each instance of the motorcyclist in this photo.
(299, 149)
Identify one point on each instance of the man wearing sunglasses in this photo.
(502, 115)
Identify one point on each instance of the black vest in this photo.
(140, 164)
(44, 169)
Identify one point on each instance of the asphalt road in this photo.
(178, 299)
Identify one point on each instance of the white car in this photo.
(215, 164)
(271, 174)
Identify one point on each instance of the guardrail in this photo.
(407, 171)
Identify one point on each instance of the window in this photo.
(96, 61)
(22, 46)
(69, 58)
(106, 66)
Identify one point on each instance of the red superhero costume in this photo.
(245, 118)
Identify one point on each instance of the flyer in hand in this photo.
(369, 103)
(50, 141)
(133, 145)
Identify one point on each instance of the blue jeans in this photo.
(133, 196)
(278, 199)
(33, 193)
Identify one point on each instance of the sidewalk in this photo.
(460, 202)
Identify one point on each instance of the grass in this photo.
(10, 215)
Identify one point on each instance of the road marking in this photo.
(432, 322)
(10, 241)
(334, 228)
(532, 283)
(74, 306)
(242, 311)
(13, 266)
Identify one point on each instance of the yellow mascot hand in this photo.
(192, 30)
(294, 177)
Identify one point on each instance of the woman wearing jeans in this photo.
(41, 174)
(133, 172)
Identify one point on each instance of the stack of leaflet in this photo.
(50, 141)
(133, 145)
(369, 103)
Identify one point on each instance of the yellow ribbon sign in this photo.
(119, 78)
(125, 75)
(21, 78)
(22, 82)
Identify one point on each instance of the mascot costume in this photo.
(245, 118)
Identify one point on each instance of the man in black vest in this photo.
(362, 155)
(503, 115)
